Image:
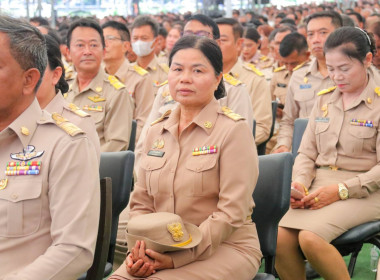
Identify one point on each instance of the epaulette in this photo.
(164, 67)
(299, 65)
(76, 110)
(377, 90)
(115, 82)
(164, 116)
(162, 84)
(264, 58)
(141, 71)
(327, 90)
(278, 69)
(229, 113)
(65, 125)
(231, 80)
(252, 67)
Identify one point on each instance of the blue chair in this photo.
(299, 129)
(272, 199)
(262, 147)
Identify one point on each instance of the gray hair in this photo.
(146, 20)
(26, 44)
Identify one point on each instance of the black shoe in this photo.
(310, 272)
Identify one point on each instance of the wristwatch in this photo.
(343, 191)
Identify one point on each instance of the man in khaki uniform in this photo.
(258, 88)
(144, 40)
(136, 79)
(306, 82)
(49, 196)
(103, 96)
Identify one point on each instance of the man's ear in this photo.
(30, 80)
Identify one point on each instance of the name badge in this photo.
(305, 86)
(324, 120)
(281, 85)
(153, 153)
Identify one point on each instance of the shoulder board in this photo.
(264, 58)
(162, 84)
(231, 80)
(377, 90)
(141, 71)
(327, 90)
(76, 110)
(115, 82)
(65, 125)
(229, 113)
(299, 65)
(160, 119)
(278, 69)
(164, 67)
(252, 67)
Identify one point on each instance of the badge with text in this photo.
(305, 86)
(153, 153)
(324, 120)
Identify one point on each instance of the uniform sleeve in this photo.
(118, 122)
(290, 113)
(235, 196)
(74, 202)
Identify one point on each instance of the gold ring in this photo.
(316, 199)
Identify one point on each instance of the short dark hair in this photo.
(54, 60)
(205, 20)
(163, 32)
(252, 34)
(347, 21)
(354, 42)
(358, 16)
(85, 22)
(288, 21)
(146, 20)
(293, 42)
(210, 50)
(41, 21)
(336, 19)
(236, 26)
(281, 15)
(121, 29)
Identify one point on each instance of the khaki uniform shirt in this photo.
(211, 190)
(49, 221)
(158, 71)
(303, 87)
(259, 92)
(139, 83)
(279, 84)
(110, 105)
(264, 63)
(76, 116)
(334, 137)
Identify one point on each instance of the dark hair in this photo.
(347, 21)
(252, 34)
(336, 19)
(163, 32)
(85, 22)
(281, 15)
(354, 42)
(236, 26)
(358, 16)
(205, 20)
(121, 29)
(146, 20)
(210, 50)
(288, 21)
(293, 42)
(40, 20)
(54, 60)
(376, 28)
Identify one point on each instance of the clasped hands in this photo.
(322, 197)
(143, 262)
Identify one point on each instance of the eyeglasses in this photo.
(112, 38)
(200, 33)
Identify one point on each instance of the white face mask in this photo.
(142, 48)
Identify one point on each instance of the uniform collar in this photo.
(236, 69)
(153, 65)
(95, 85)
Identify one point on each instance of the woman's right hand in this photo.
(138, 264)
(297, 203)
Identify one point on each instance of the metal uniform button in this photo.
(14, 196)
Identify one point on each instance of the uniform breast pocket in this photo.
(20, 207)
(362, 138)
(304, 95)
(321, 135)
(203, 177)
(153, 167)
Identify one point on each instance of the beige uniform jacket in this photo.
(279, 84)
(49, 221)
(259, 91)
(303, 87)
(76, 116)
(212, 190)
(158, 71)
(110, 105)
(334, 137)
(139, 83)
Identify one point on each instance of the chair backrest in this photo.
(272, 199)
(119, 167)
(132, 139)
(254, 128)
(262, 147)
(299, 129)
(96, 271)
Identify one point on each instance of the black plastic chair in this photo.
(272, 199)
(132, 139)
(96, 271)
(299, 129)
(262, 147)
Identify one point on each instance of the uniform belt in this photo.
(330, 167)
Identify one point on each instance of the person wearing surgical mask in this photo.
(144, 41)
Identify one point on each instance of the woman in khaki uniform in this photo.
(199, 162)
(336, 172)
